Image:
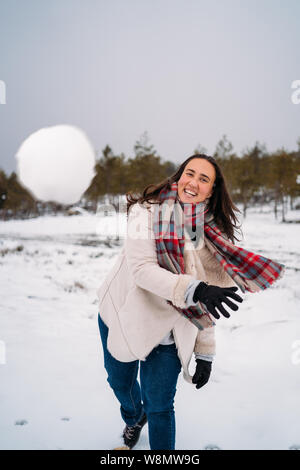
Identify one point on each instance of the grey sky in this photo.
(185, 71)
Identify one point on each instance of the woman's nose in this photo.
(194, 183)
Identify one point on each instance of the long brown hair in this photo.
(220, 204)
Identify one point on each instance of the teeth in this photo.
(188, 192)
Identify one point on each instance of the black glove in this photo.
(212, 296)
(203, 370)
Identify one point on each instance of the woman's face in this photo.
(197, 178)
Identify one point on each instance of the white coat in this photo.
(132, 298)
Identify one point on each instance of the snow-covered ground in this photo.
(54, 393)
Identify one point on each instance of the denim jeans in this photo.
(155, 393)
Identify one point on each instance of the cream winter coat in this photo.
(132, 298)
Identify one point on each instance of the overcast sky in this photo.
(185, 71)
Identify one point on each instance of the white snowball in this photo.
(56, 163)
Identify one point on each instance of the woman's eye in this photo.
(201, 179)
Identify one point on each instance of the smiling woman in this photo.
(197, 181)
(201, 176)
(157, 303)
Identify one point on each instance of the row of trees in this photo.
(255, 177)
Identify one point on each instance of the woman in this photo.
(158, 303)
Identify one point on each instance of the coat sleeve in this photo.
(140, 252)
(206, 341)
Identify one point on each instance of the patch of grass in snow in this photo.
(74, 287)
(96, 255)
(7, 251)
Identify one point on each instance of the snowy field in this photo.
(54, 393)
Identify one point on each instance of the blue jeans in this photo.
(155, 393)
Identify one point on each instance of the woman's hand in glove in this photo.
(212, 296)
(202, 373)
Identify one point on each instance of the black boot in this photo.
(131, 434)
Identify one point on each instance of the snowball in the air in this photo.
(56, 163)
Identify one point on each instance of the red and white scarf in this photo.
(250, 271)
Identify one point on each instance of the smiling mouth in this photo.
(189, 193)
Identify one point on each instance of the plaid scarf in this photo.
(175, 222)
